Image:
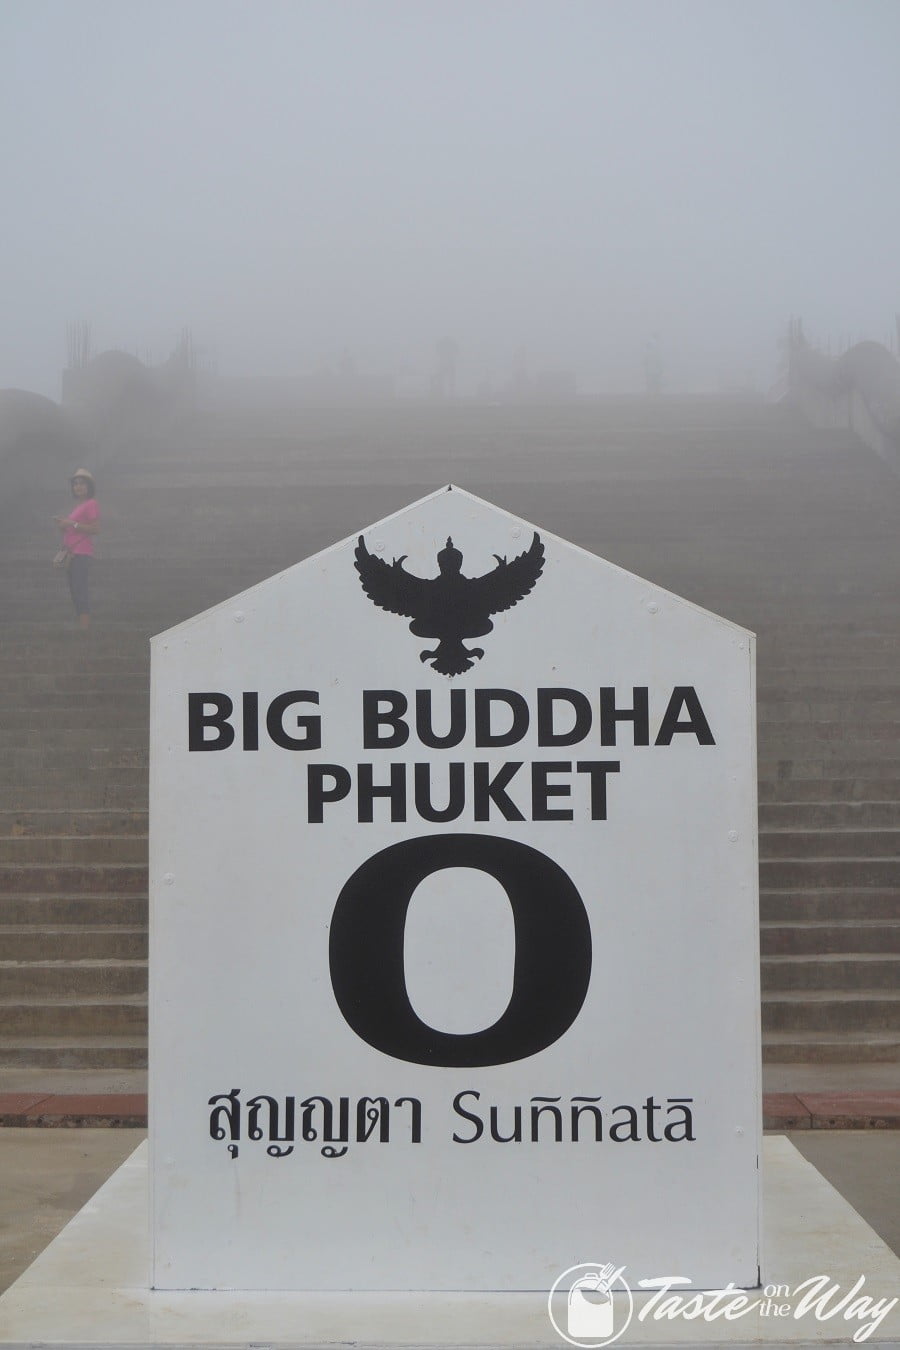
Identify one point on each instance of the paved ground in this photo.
(49, 1174)
(864, 1165)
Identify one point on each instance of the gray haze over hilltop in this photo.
(548, 184)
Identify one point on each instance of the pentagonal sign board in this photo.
(454, 960)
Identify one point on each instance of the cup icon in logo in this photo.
(591, 1312)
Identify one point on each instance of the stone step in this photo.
(37, 707)
(819, 618)
(828, 843)
(116, 741)
(73, 942)
(174, 594)
(835, 667)
(72, 686)
(831, 1047)
(795, 700)
(812, 815)
(79, 979)
(862, 788)
(120, 792)
(813, 734)
(826, 904)
(123, 645)
(33, 1015)
(869, 771)
(105, 650)
(91, 822)
(779, 759)
(77, 715)
(130, 635)
(827, 740)
(88, 850)
(848, 625)
(73, 1052)
(828, 1010)
(815, 607)
(783, 630)
(175, 601)
(46, 663)
(210, 502)
(158, 612)
(835, 970)
(57, 767)
(126, 766)
(67, 740)
(864, 603)
(130, 1052)
(838, 847)
(17, 909)
(118, 777)
(819, 637)
(838, 936)
(101, 714)
(73, 878)
(795, 681)
(828, 872)
(129, 706)
(792, 627)
(54, 758)
(818, 815)
(115, 648)
(777, 715)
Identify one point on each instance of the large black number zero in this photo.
(552, 961)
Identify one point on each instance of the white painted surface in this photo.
(90, 1287)
(243, 889)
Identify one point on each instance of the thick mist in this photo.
(548, 184)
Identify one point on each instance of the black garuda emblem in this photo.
(449, 607)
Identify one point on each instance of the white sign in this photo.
(454, 960)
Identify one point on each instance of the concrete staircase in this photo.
(790, 532)
(73, 851)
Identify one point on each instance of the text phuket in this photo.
(440, 790)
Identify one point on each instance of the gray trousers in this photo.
(78, 572)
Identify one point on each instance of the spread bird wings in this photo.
(389, 585)
(507, 583)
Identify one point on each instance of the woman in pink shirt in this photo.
(78, 529)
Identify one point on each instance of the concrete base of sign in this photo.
(89, 1289)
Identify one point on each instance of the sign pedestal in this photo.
(90, 1288)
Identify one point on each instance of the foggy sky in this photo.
(293, 179)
